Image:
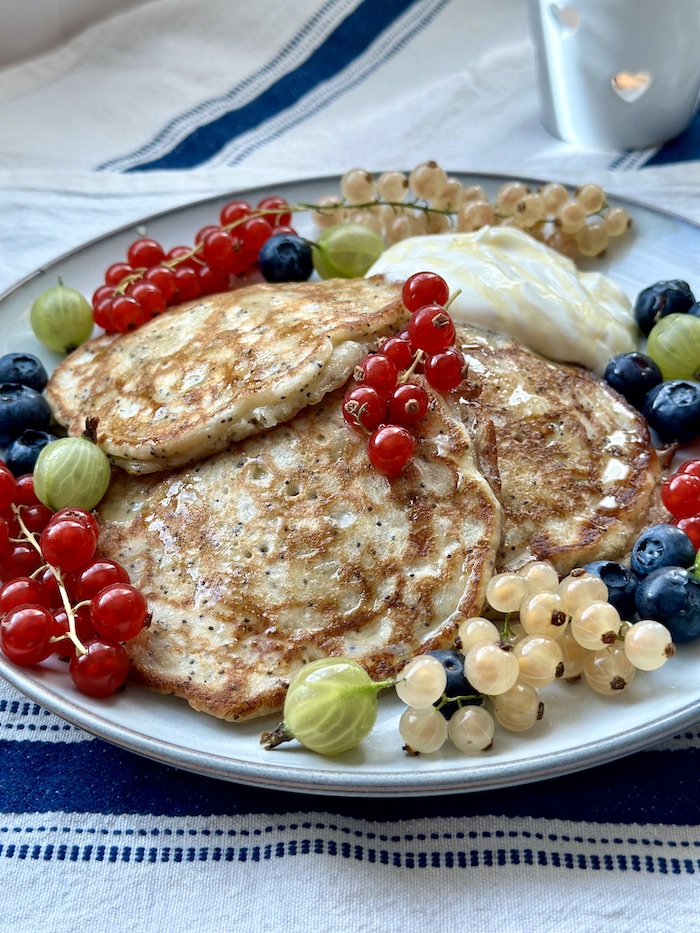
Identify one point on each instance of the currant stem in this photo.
(452, 298)
(72, 632)
(358, 417)
(507, 633)
(444, 699)
(379, 202)
(128, 280)
(29, 536)
(406, 375)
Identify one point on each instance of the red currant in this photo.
(84, 629)
(117, 272)
(690, 466)
(79, 515)
(8, 487)
(149, 296)
(181, 256)
(431, 328)
(399, 351)
(681, 494)
(408, 403)
(286, 228)
(424, 288)
(691, 526)
(187, 283)
(20, 559)
(24, 634)
(118, 612)
(22, 590)
(244, 259)
(67, 543)
(145, 253)
(279, 216)
(36, 517)
(200, 234)
(4, 533)
(390, 448)
(127, 314)
(444, 370)
(378, 371)
(233, 211)
(49, 584)
(98, 574)
(13, 527)
(101, 671)
(102, 314)
(101, 293)
(164, 280)
(212, 281)
(24, 490)
(219, 249)
(364, 409)
(253, 233)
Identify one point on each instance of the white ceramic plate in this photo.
(580, 729)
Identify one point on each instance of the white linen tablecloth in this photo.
(165, 103)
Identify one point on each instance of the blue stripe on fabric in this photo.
(352, 36)
(462, 854)
(297, 46)
(649, 787)
(332, 90)
(684, 148)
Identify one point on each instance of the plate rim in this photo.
(343, 781)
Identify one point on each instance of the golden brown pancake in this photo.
(291, 547)
(571, 462)
(207, 373)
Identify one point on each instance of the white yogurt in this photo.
(513, 284)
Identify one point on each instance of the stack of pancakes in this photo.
(248, 513)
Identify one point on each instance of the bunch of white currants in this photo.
(548, 629)
(427, 200)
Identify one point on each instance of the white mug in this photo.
(617, 74)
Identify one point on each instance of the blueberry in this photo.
(695, 310)
(673, 410)
(21, 453)
(285, 257)
(24, 368)
(660, 299)
(661, 546)
(671, 596)
(457, 683)
(21, 408)
(621, 584)
(633, 375)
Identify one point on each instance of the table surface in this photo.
(162, 104)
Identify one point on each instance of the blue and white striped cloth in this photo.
(168, 102)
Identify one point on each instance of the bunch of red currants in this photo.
(386, 399)
(58, 595)
(151, 280)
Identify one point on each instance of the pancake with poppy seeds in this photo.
(571, 462)
(290, 547)
(207, 373)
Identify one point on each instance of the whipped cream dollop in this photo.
(515, 285)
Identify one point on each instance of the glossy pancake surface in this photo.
(193, 380)
(571, 462)
(291, 547)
